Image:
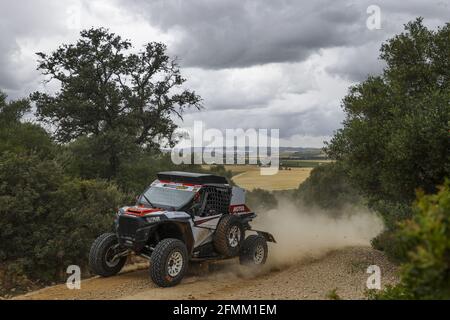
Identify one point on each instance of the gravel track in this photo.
(342, 271)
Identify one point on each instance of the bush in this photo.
(328, 188)
(48, 222)
(261, 200)
(426, 274)
(393, 246)
(390, 241)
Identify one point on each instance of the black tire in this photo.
(254, 251)
(99, 254)
(223, 241)
(161, 259)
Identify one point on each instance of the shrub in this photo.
(48, 222)
(426, 274)
(261, 200)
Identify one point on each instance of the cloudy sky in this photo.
(256, 63)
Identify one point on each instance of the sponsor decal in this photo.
(240, 208)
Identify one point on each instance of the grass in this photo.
(333, 295)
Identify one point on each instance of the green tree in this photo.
(13, 111)
(21, 137)
(327, 187)
(395, 137)
(120, 101)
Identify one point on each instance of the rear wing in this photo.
(191, 177)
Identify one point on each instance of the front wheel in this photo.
(253, 251)
(168, 262)
(105, 257)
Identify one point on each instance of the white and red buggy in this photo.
(181, 217)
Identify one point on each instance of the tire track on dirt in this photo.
(342, 270)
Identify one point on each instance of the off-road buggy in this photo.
(181, 217)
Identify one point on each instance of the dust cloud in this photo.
(310, 233)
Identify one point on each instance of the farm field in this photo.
(304, 163)
(283, 180)
(249, 177)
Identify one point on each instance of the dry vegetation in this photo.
(249, 177)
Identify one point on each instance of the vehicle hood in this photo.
(141, 211)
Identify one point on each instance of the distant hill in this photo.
(299, 153)
(302, 153)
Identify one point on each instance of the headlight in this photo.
(153, 219)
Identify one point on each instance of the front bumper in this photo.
(133, 232)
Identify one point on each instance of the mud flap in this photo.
(266, 235)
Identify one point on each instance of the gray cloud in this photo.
(256, 63)
(314, 121)
(356, 63)
(223, 34)
(23, 23)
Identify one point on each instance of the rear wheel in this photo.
(168, 262)
(254, 251)
(105, 257)
(229, 235)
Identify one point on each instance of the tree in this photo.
(21, 137)
(328, 188)
(395, 137)
(121, 101)
(13, 111)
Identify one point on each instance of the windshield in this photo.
(175, 197)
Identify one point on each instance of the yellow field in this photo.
(283, 180)
(249, 177)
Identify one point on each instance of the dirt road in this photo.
(343, 271)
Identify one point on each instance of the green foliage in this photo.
(53, 202)
(333, 295)
(395, 247)
(47, 219)
(219, 169)
(118, 101)
(395, 137)
(137, 174)
(261, 200)
(134, 173)
(300, 163)
(12, 112)
(48, 222)
(327, 187)
(426, 274)
(26, 138)
(19, 137)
